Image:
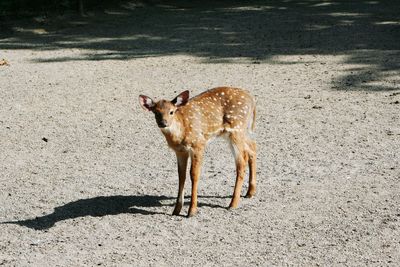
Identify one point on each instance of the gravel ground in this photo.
(87, 178)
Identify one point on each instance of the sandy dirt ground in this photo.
(87, 178)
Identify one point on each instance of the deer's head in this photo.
(164, 110)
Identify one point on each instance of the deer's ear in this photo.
(146, 102)
(181, 99)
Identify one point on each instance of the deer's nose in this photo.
(162, 124)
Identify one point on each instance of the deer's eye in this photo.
(171, 112)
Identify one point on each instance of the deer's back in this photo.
(222, 109)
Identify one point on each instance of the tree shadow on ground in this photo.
(366, 32)
(103, 206)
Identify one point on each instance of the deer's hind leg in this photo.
(238, 144)
(252, 157)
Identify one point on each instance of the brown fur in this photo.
(188, 125)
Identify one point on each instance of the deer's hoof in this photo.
(175, 212)
(192, 213)
(232, 207)
(251, 192)
(234, 203)
(177, 209)
(249, 195)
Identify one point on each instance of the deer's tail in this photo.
(253, 123)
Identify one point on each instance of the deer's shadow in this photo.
(101, 206)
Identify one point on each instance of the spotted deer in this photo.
(189, 124)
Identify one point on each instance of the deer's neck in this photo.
(174, 132)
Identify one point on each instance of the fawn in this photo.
(189, 124)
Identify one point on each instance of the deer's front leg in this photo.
(182, 159)
(196, 160)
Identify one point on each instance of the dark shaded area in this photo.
(102, 206)
(45, 7)
(368, 32)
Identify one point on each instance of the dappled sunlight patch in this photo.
(324, 4)
(38, 31)
(372, 2)
(348, 14)
(387, 23)
(251, 8)
(346, 22)
(251, 33)
(318, 27)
